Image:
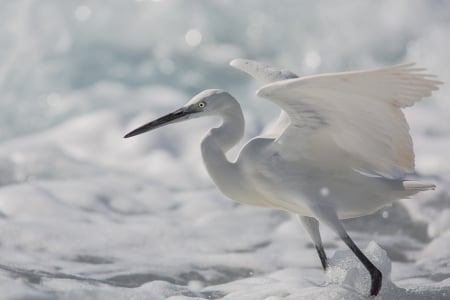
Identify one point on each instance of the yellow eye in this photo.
(201, 105)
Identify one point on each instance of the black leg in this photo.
(322, 256)
(375, 274)
(311, 226)
(328, 216)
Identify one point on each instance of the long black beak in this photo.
(173, 117)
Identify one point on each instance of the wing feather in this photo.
(266, 74)
(263, 72)
(358, 113)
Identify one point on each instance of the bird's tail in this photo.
(412, 187)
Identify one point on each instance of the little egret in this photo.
(340, 149)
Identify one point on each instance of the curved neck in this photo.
(218, 142)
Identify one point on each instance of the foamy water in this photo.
(85, 214)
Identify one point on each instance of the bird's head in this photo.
(206, 103)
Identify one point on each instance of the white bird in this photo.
(340, 149)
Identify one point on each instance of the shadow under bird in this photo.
(340, 149)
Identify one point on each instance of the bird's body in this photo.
(340, 149)
(261, 176)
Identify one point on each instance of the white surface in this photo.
(85, 214)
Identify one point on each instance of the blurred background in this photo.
(75, 198)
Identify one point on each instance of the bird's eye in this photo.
(201, 105)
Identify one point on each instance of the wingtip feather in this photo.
(418, 186)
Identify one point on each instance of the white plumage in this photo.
(341, 147)
(356, 113)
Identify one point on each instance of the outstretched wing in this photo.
(266, 74)
(354, 113)
(263, 72)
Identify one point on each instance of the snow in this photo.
(85, 214)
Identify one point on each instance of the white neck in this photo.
(218, 142)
